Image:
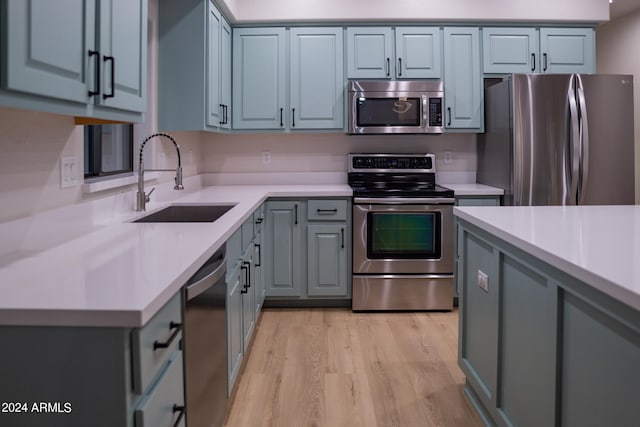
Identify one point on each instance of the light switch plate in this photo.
(68, 172)
(483, 281)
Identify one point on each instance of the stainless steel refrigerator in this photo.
(559, 139)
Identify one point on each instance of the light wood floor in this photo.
(332, 367)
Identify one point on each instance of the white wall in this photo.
(617, 52)
(414, 10)
(327, 152)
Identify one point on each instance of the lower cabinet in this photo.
(50, 372)
(539, 347)
(308, 249)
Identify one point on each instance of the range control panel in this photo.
(386, 162)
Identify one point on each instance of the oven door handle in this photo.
(405, 200)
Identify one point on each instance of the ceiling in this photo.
(622, 7)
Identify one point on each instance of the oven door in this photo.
(403, 238)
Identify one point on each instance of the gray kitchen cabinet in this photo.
(463, 91)
(538, 346)
(288, 79)
(477, 200)
(235, 342)
(388, 53)
(328, 247)
(508, 50)
(248, 297)
(285, 223)
(258, 256)
(139, 382)
(194, 67)
(76, 57)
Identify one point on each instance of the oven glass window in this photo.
(388, 112)
(404, 235)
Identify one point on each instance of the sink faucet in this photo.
(141, 197)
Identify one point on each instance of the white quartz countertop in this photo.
(119, 273)
(474, 189)
(599, 245)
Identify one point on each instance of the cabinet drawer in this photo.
(165, 402)
(163, 332)
(327, 210)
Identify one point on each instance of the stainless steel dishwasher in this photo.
(205, 339)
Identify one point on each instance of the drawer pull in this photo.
(178, 408)
(322, 211)
(177, 329)
(259, 220)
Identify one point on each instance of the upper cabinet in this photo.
(75, 57)
(532, 50)
(463, 92)
(387, 53)
(194, 66)
(288, 79)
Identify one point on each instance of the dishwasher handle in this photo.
(213, 271)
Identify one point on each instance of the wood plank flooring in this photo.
(333, 367)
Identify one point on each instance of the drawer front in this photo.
(327, 210)
(164, 329)
(165, 402)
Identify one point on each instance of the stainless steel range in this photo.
(402, 233)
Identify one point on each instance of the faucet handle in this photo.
(147, 196)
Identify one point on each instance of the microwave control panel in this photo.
(435, 112)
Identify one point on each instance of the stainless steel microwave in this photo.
(388, 106)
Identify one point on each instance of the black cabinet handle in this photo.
(226, 114)
(97, 72)
(113, 76)
(449, 116)
(281, 124)
(533, 62)
(177, 327)
(259, 220)
(544, 62)
(246, 279)
(178, 408)
(259, 263)
(296, 213)
(399, 67)
(293, 117)
(334, 210)
(248, 264)
(388, 67)
(342, 238)
(221, 114)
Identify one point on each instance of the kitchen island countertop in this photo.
(599, 245)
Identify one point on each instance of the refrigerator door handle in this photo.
(573, 169)
(584, 143)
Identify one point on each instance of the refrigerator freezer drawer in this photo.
(402, 292)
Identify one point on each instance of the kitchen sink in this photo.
(187, 213)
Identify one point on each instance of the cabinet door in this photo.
(317, 78)
(214, 44)
(259, 64)
(258, 277)
(48, 50)
(510, 50)
(248, 298)
(567, 50)
(462, 78)
(418, 52)
(234, 326)
(123, 46)
(283, 248)
(225, 74)
(370, 53)
(327, 260)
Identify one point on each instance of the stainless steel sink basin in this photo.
(187, 213)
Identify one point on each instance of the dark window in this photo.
(108, 150)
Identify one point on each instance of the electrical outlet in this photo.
(266, 157)
(448, 157)
(68, 172)
(483, 281)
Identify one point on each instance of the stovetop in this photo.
(391, 175)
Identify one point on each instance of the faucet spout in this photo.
(141, 197)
